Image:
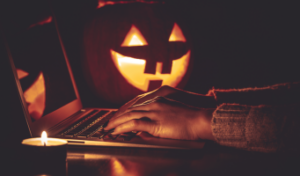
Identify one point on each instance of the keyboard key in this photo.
(87, 123)
(77, 123)
(97, 126)
(89, 132)
(97, 134)
(106, 133)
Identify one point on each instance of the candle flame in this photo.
(44, 138)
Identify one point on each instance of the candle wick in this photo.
(44, 143)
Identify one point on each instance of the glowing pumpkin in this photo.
(134, 48)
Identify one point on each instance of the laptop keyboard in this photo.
(76, 124)
(91, 126)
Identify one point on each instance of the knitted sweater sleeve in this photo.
(258, 119)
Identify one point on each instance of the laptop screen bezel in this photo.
(58, 115)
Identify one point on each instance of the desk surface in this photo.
(212, 160)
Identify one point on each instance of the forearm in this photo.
(261, 119)
(257, 128)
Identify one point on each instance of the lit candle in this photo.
(45, 155)
(44, 141)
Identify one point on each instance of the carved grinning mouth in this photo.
(132, 69)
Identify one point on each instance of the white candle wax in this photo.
(39, 142)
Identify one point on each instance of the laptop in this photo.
(50, 97)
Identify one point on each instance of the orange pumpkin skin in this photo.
(106, 31)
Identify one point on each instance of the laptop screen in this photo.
(41, 69)
(48, 89)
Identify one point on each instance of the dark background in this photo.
(235, 44)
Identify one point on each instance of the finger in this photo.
(162, 91)
(155, 104)
(138, 110)
(145, 102)
(127, 117)
(144, 97)
(149, 106)
(132, 102)
(126, 106)
(136, 125)
(152, 94)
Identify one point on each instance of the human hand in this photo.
(166, 118)
(188, 98)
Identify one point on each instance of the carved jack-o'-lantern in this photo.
(134, 48)
(132, 69)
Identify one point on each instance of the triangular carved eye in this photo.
(176, 34)
(134, 38)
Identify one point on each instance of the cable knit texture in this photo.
(258, 119)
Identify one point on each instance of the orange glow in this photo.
(102, 3)
(46, 20)
(35, 95)
(176, 34)
(21, 73)
(117, 168)
(132, 70)
(134, 38)
(44, 138)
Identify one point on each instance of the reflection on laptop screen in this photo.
(41, 68)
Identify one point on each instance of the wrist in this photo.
(204, 129)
